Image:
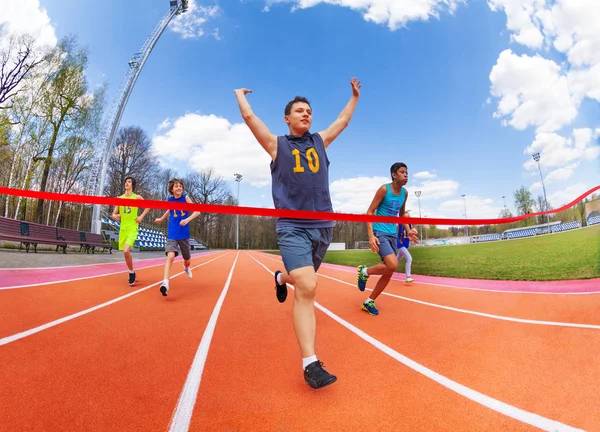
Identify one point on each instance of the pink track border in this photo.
(19, 277)
(581, 286)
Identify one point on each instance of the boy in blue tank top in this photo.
(300, 181)
(178, 236)
(403, 245)
(390, 200)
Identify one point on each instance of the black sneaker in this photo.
(164, 289)
(317, 377)
(131, 278)
(281, 289)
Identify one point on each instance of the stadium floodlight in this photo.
(238, 179)
(106, 142)
(466, 226)
(418, 194)
(536, 157)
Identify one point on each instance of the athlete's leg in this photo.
(391, 264)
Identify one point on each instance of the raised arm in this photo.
(379, 196)
(336, 128)
(260, 131)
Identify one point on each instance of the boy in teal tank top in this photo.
(390, 200)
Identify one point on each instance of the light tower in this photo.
(466, 226)
(238, 179)
(97, 176)
(536, 157)
(418, 194)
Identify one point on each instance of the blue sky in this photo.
(463, 97)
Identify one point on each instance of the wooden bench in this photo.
(92, 241)
(44, 234)
(71, 236)
(15, 230)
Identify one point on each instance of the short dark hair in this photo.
(132, 182)
(396, 167)
(288, 107)
(172, 184)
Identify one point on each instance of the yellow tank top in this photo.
(128, 214)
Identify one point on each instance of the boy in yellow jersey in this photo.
(130, 222)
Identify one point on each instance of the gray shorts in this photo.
(302, 247)
(388, 244)
(175, 245)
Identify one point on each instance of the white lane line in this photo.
(487, 401)
(83, 277)
(470, 312)
(21, 335)
(187, 399)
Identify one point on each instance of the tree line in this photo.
(50, 121)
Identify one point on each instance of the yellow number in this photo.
(298, 167)
(313, 160)
(313, 164)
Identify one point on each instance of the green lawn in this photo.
(567, 255)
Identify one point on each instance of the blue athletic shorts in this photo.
(388, 244)
(302, 247)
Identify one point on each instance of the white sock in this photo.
(368, 300)
(279, 278)
(308, 360)
(132, 271)
(166, 282)
(364, 272)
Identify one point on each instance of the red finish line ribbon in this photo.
(258, 211)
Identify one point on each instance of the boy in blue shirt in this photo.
(178, 237)
(390, 200)
(403, 245)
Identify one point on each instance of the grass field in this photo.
(562, 256)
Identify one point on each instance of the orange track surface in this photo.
(123, 367)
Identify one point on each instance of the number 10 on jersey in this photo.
(311, 156)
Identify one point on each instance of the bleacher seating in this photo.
(566, 226)
(593, 220)
(147, 239)
(486, 238)
(522, 233)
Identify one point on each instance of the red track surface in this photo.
(124, 366)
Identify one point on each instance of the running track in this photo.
(219, 354)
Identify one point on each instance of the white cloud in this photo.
(425, 175)
(532, 92)
(208, 141)
(561, 174)
(393, 13)
(354, 195)
(585, 82)
(557, 151)
(559, 198)
(26, 17)
(520, 20)
(477, 208)
(190, 25)
(433, 189)
(164, 124)
(568, 26)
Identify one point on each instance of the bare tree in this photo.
(133, 157)
(16, 62)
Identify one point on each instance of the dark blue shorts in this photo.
(302, 247)
(388, 244)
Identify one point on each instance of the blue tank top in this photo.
(176, 231)
(390, 205)
(403, 240)
(300, 179)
